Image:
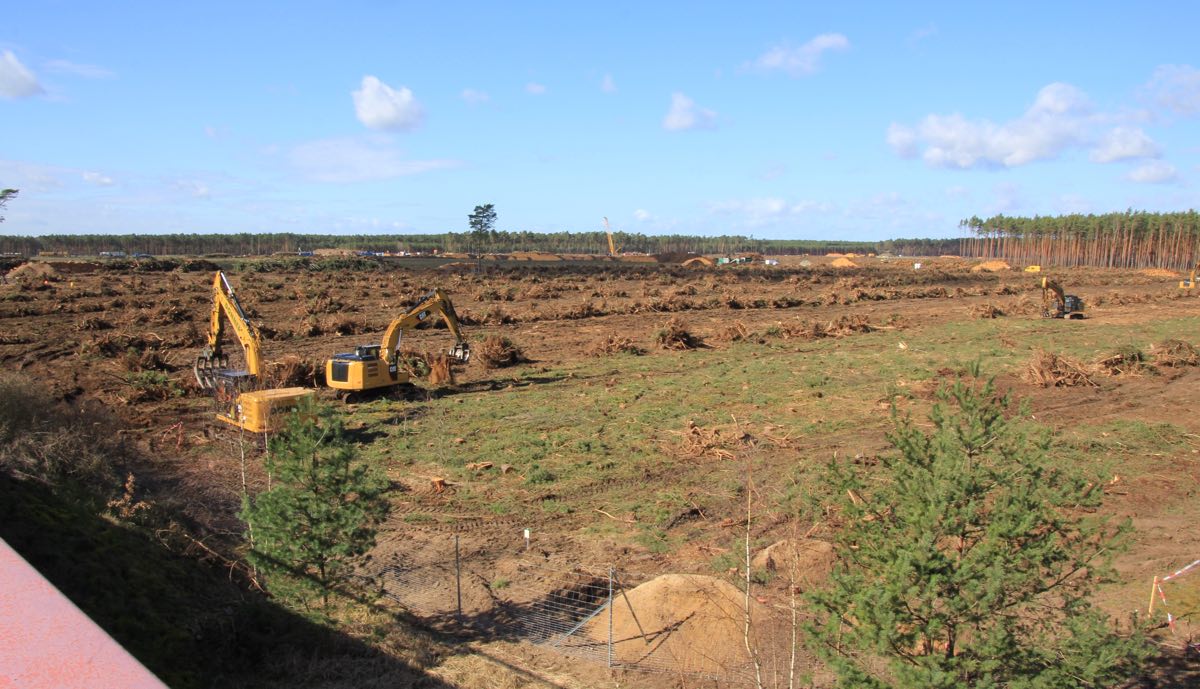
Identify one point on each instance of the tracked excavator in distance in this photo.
(374, 367)
(1058, 304)
(240, 400)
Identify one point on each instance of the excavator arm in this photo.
(436, 303)
(212, 361)
(1052, 292)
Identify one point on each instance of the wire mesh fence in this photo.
(678, 624)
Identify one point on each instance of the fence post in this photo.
(610, 617)
(458, 579)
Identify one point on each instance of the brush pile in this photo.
(1050, 370)
(292, 371)
(1128, 361)
(1175, 353)
(987, 311)
(697, 442)
(497, 351)
(675, 336)
(614, 344)
(840, 327)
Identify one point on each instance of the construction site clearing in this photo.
(612, 407)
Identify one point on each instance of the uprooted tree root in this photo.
(986, 311)
(1125, 362)
(293, 370)
(696, 442)
(675, 335)
(1050, 370)
(842, 326)
(614, 344)
(1175, 353)
(497, 351)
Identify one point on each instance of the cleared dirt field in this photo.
(620, 443)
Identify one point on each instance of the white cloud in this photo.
(379, 106)
(79, 70)
(1058, 119)
(642, 215)
(16, 81)
(194, 188)
(803, 60)
(1153, 172)
(607, 84)
(535, 89)
(927, 31)
(349, 160)
(473, 97)
(1125, 143)
(684, 115)
(958, 192)
(1176, 87)
(758, 212)
(97, 179)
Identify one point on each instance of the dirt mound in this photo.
(991, 266)
(1159, 273)
(33, 272)
(498, 352)
(806, 561)
(693, 622)
(843, 262)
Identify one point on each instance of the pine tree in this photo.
(969, 561)
(318, 521)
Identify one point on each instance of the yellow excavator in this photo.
(1190, 283)
(371, 367)
(240, 401)
(1058, 304)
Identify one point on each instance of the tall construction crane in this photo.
(612, 248)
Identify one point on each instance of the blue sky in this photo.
(780, 120)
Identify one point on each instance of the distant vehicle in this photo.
(304, 253)
(143, 256)
(112, 254)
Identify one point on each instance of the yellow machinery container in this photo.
(261, 411)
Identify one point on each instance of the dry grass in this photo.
(293, 371)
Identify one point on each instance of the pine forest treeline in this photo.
(454, 242)
(1133, 239)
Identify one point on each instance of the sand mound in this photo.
(806, 561)
(693, 622)
(1159, 273)
(991, 266)
(843, 262)
(33, 272)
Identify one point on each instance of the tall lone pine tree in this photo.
(969, 561)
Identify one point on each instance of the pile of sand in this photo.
(693, 623)
(806, 561)
(843, 263)
(991, 266)
(32, 272)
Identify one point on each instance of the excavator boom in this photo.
(212, 361)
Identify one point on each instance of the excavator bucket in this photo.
(208, 368)
(460, 353)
